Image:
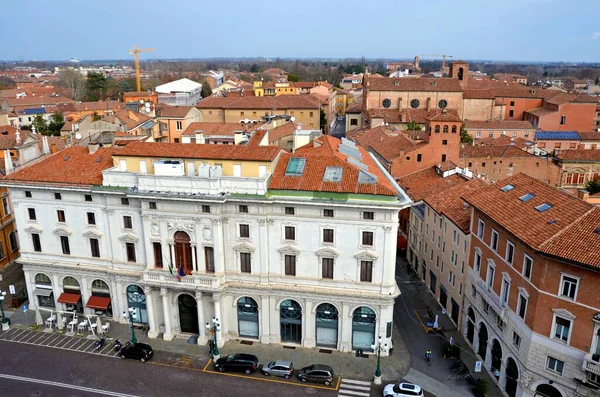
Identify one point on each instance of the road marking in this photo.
(356, 382)
(351, 387)
(66, 386)
(53, 339)
(355, 387)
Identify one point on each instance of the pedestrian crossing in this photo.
(354, 388)
(56, 341)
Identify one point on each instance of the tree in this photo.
(293, 77)
(597, 81)
(323, 120)
(73, 83)
(95, 116)
(40, 124)
(206, 90)
(6, 83)
(413, 126)
(57, 123)
(254, 68)
(96, 86)
(465, 137)
(593, 186)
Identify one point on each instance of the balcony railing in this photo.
(591, 363)
(164, 278)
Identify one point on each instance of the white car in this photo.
(402, 389)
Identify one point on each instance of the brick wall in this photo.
(498, 168)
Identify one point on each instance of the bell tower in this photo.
(460, 70)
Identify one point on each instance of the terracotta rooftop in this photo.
(177, 112)
(394, 147)
(541, 111)
(426, 183)
(281, 131)
(200, 151)
(260, 102)
(368, 137)
(91, 106)
(414, 84)
(8, 136)
(498, 124)
(450, 203)
(505, 140)
(355, 107)
(274, 71)
(589, 136)
(493, 151)
(37, 100)
(578, 155)
(221, 129)
(71, 166)
(568, 221)
(323, 155)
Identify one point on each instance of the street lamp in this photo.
(132, 314)
(378, 348)
(216, 327)
(5, 324)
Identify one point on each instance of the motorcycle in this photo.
(100, 343)
(118, 345)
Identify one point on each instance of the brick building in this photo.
(564, 112)
(531, 302)
(482, 129)
(577, 167)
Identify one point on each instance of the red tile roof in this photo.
(393, 147)
(589, 136)
(369, 137)
(578, 155)
(493, 151)
(176, 112)
(281, 131)
(222, 129)
(505, 140)
(520, 218)
(318, 158)
(426, 183)
(413, 84)
(541, 111)
(355, 107)
(71, 166)
(498, 125)
(200, 151)
(91, 106)
(260, 102)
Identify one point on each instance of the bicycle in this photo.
(466, 376)
(458, 368)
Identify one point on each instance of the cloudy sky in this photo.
(530, 30)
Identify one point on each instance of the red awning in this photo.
(98, 302)
(402, 243)
(69, 299)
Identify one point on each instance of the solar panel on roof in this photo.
(333, 174)
(350, 151)
(295, 166)
(366, 177)
(559, 135)
(357, 163)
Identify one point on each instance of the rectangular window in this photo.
(563, 120)
(64, 243)
(158, 258)
(418, 158)
(206, 209)
(290, 210)
(290, 265)
(477, 262)
(522, 307)
(494, 240)
(555, 365)
(57, 196)
(511, 113)
(243, 208)
(12, 238)
(37, 244)
(130, 248)
(328, 213)
(516, 340)
(490, 276)
(27, 194)
(327, 268)
(209, 259)
(366, 271)
(245, 262)
(95, 247)
(505, 291)
(367, 238)
(368, 215)
(152, 205)
(31, 212)
(569, 286)
(561, 329)
(444, 142)
(88, 197)
(179, 125)
(290, 233)
(245, 231)
(480, 228)
(91, 218)
(328, 235)
(124, 201)
(510, 253)
(459, 289)
(127, 224)
(61, 215)
(527, 267)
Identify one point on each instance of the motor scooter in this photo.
(118, 345)
(100, 343)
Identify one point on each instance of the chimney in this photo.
(93, 148)
(18, 137)
(53, 148)
(583, 194)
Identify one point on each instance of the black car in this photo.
(239, 362)
(137, 351)
(317, 373)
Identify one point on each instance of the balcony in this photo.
(591, 363)
(164, 278)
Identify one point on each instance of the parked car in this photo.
(403, 389)
(278, 368)
(137, 351)
(239, 362)
(317, 373)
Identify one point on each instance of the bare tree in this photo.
(73, 82)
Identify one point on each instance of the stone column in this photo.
(308, 320)
(502, 378)
(194, 264)
(488, 355)
(475, 338)
(153, 329)
(168, 335)
(274, 320)
(345, 344)
(264, 315)
(30, 284)
(202, 340)
(173, 264)
(217, 303)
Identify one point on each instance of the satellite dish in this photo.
(292, 119)
(78, 136)
(147, 104)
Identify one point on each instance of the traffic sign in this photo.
(477, 366)
(24, 308)
(11, 289)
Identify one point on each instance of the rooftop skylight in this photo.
(507, 188)
(295, 166)
(543, 207)
(333, 174)
(366, 177)
(527, 197)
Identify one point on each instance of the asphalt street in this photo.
(29, 370)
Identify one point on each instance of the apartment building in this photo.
(296, 249)
(532, 313)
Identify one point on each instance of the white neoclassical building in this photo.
(282, 248)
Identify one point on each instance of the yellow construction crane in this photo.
(135, 51)
(443, 56)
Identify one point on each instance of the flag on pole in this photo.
(180, 273)
(171, 268)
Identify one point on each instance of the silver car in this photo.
(278, 368)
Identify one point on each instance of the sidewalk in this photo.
(416, 296)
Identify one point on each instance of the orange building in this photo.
(137, 96)
(9, 242)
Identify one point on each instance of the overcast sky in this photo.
(530, 30)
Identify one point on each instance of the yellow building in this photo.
(274, 89)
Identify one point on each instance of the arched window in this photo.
(454, 129)
(445, 129)
(42, 279)
(71, 283)
(100, 286)
(437, 129)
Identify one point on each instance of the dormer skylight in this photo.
(507, 188)
(333, 174)
(527, 197)
(295, 166)
(543, 207)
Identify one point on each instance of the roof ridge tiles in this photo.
(568, 227)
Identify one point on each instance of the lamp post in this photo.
(378, 348)
(216, 327)
(132, 313)
(5, 323)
